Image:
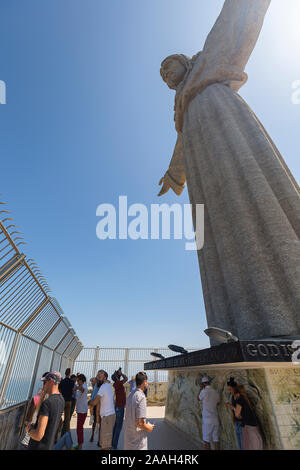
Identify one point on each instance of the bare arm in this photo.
(95, 402)
(125, 378)
(98, 413)
(141, 424)
(201, 388)
(38, 433)
(237, 411)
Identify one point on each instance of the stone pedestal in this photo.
(272, 385)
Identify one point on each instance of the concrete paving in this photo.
(163, 437)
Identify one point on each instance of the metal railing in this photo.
(132, 361)
(35, 336)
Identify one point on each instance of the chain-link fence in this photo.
(35, 336)
(132, 361)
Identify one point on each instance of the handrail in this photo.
(13, 407)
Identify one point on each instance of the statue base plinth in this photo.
(270, 372)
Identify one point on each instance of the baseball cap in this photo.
(55, 376)
(205, 379)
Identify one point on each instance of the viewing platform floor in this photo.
(163, 437)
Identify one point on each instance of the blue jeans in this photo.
(65, 440)
(117, 427)
(239, 432)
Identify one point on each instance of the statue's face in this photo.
(173, 72)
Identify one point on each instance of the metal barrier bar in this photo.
(12, 407)
(36, 366)
(34, 315)
(10, 267)
(51, 331)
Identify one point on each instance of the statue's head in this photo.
(174, 69)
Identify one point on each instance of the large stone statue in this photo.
(250, 263)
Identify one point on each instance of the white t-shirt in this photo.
(210, 398)
(81, 400)
(107, 406)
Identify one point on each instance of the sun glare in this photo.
(293, 26)
(283, 26)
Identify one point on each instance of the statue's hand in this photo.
(165, 188)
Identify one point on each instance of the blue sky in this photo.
(87, 119)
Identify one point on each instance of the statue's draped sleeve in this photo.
(226, 51)
(223, 60)
(175, 175)
(235, 33)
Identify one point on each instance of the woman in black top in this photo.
(243, 410)
(237, 422)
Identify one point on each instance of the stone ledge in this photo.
(245, 354)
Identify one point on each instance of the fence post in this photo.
(37, 363)
(126, 361)
(155, 376)
(96, 359)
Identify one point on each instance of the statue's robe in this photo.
(250, 262)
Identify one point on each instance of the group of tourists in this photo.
(242, 412)
(109, 414)
(50, 411)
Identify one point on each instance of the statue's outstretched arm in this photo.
(175, 175)
(235, 33)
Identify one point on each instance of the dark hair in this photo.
(104, 372)
(68, 371)
(44, 375)
(240, 389)
(81, 377)
(115, 376)
(73, 376)
(231, 382)
(140, 378)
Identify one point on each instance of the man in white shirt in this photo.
(107, 410)
(210, 421)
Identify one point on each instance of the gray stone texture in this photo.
(250, 263)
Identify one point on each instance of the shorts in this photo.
(210, 432)
(106, 431)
